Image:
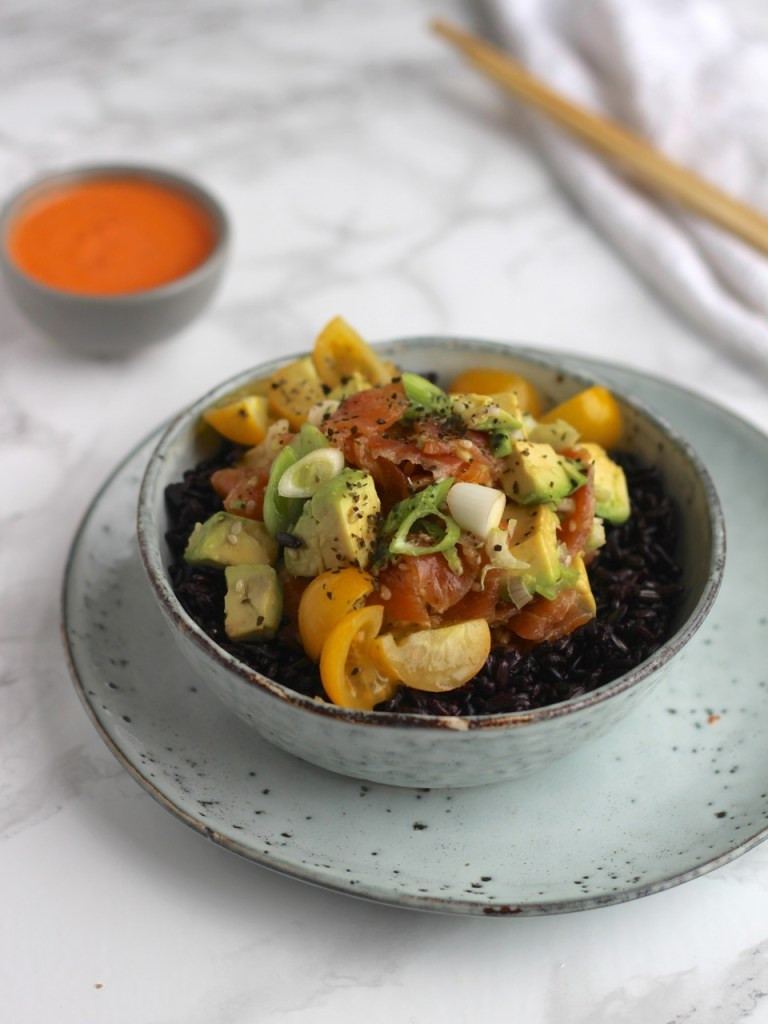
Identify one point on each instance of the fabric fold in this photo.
(681, 76)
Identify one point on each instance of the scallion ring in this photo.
(305, 476)
(476, 508)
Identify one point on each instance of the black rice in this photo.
(635, 580)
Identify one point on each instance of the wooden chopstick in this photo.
(636, 156)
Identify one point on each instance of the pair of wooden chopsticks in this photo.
(641, 160)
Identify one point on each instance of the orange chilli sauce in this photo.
(111, 236)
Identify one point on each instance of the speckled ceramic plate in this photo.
(680, 787)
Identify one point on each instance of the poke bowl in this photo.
(459, 584)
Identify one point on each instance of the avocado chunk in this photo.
(535, 473)
(253, 604)
(534, 541)
(559, 434)
(338, 525)
(498, 416)
(586, 601)
(611, 494)
(480, 412)
(225, 539)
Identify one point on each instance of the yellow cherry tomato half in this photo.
(435, 659)
(339, 352)
(479, 381)
(349, 675)
(243, 421)
(594, 413)
(326, 601)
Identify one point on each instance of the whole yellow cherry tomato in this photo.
(594, 413)
(349, 675)
(326, 600)
(479, 381)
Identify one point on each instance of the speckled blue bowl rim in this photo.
(553, 361)
(184, 183)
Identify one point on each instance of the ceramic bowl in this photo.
(114, 325)
(407, 749)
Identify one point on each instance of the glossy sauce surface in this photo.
(111, 236)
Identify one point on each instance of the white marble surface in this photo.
(368, 174)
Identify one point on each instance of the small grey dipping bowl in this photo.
(407, 749)
(114, 325)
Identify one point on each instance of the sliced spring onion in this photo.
(280, 513)
(568, 578)
(425, 397)
(423, 508)
(305, 476)
(318, 413)
(515, 591)
(497, 547)
(596, 537)
(425, 502)
(400, 545)
(477, 509)
(499, 555)
(308, 439)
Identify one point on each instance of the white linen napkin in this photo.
(678, 73)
